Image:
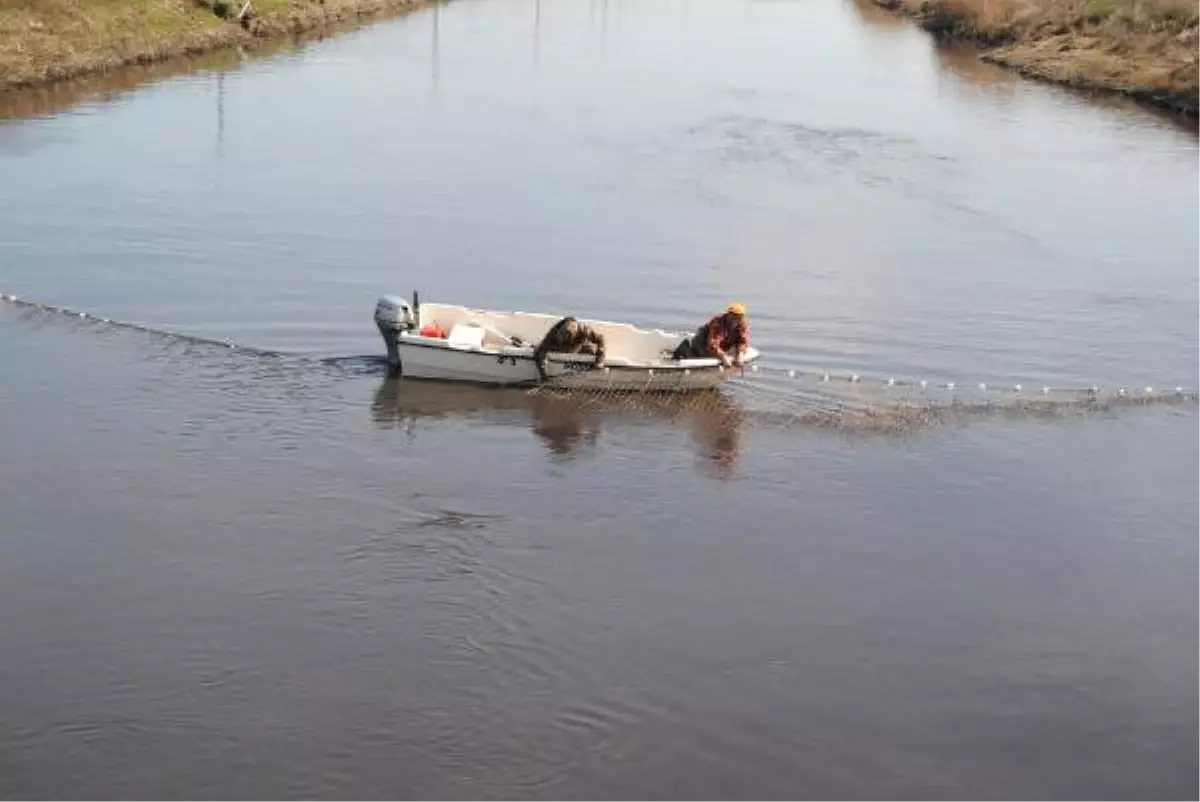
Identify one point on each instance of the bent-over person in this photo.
(569, 336)
(725, 337)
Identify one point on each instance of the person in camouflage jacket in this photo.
(569, 336)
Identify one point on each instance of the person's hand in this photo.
(737, 362)
(725, 360)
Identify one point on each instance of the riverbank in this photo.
(44, 41)
(1145, 49)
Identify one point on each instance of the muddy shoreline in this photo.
(1150, 61)
(192, 41)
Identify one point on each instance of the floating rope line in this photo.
(824, 402)
(831, 377)
(129, 326)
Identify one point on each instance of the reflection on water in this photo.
(880, 20)
(399, 402)
(566, 424)
(563, 426)
(963, 62)
(718, 438)
(109, 86)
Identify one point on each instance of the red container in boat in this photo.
(432, 330)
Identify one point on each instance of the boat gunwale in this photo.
(407, 338)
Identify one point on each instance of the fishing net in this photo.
(787, 398)
(763, 396)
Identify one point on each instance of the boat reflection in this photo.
(567, 424)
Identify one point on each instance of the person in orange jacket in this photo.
(725, 337)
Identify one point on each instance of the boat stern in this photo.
(394, 315)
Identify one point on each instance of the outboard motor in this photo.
(392, 316)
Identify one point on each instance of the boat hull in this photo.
(426, 361)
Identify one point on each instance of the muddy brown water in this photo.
(236, 575)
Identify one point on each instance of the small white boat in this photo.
(496, 348)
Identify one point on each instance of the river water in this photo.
(236, 574)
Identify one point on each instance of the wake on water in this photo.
(761, 395)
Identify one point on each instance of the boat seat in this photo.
(465, 336)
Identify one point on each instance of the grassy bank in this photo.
(47, 40)
(1146, 49)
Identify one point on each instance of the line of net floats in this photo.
(826, 377)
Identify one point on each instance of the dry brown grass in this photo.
(47, 40)
(1143, 48)
(1119, 15)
